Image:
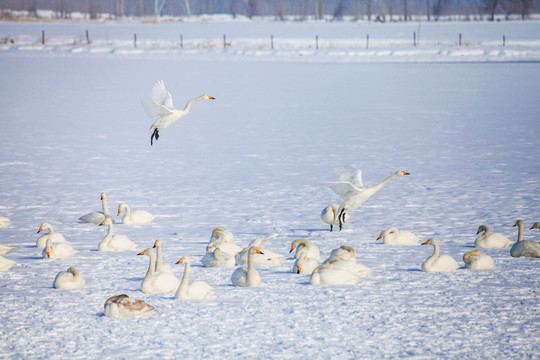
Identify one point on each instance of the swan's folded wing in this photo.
(343, 189)
(350, 174)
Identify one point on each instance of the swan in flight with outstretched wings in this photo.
(353, 192)
(160, 104)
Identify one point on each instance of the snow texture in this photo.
(462, 120)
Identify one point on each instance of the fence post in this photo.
(87, 37)
(504, 40)
(414, 39)
(459, 39)
(135, 40)
(181, 41)
(317, 42)
(272, 42)
(42, 37)
(367, 41)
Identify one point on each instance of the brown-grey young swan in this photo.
(160, 105)
(97, 217)
(524, 248)
(124, 306)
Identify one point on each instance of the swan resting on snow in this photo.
(155, 282)
(436, 263)
(223, 239)
(54, 236)
(55, 250)
(114, 242)
(524, 248)
(349, 265)
(5, 248)
(6, 264)
(4, 222)
(160, 104)
(489, 240)
(124, 306)
(197, 290)
(247, 277)
(312, 251)
(70, 279)
(267, 258)
(135, 217)
(304, 265)
(476, 260)
(352, 190)
(218, 258)
(328, 274)
(97, 217)
(393, 236)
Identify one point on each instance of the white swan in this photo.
(224, 240)
(97, 217)
(328, 274)
(54, 236)
(114, 242)
(123, 306)
(5, 248)
(436, 263)
(350, 188)
(4, 222)
(489, 240)
(54, 250)
(476, 260)
(247, 277)
(345, 252)
(70, 279)
(522, 247)
(135, 217)
(304, 264)
(349, 265)
(6, 264)
(268, 257)
(196, 290)
(160, 104)
(218, 258)
(329, 215)
(157, 281)
(300, 245)
(393, 236)
(160, 265)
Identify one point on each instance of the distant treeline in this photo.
(336, 10)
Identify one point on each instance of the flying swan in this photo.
(352, 190)
(160, 104)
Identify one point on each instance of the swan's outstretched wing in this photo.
(343, 189)
(262, 242)
(160, 102)
(350, 174)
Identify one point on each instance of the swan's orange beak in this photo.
(156, 243)
(425, 242)
(380, 236)
(142, 252)
(40, 229)
(298, 269)
(102, 223)
(102, 196)
(180, 261)
(292, 248)
(259, 251)
(406, 173)
(211, 97)
(48, 254)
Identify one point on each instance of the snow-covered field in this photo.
(462, 120)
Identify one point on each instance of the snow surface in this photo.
(465, 126)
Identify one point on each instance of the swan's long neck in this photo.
(105, 207)
(159, 260)
(185, 279)
(48, 245)
(107, 239)
(190, 102)
(151, 267)
(51, 231)
(251, 272)
(435, 255)
(372, 190)
(520, 231)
